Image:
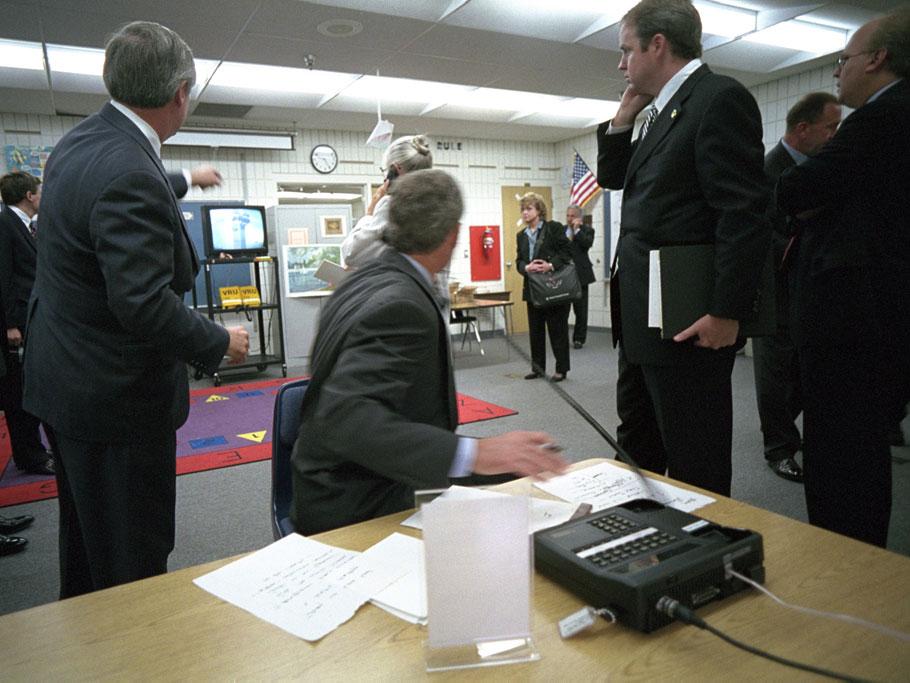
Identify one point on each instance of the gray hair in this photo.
(425, 206)
(893, 34)
(576, 207)
(677, 20)
(411, 152)
(145, 63)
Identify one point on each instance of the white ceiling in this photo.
(531, 46)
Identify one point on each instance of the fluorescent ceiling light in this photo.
(17, 54)
(231, 138)
(507, 100)
(723, 20)
(581, 108)
(568, 9)
(804, 36)
(76, 60)
(320, 196)
(402, 90)
(279, 78)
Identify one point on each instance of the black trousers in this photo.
(116, 510)
(678, 419)
(554, 320)
(580, 307)
(849, 407)
(777, 391)
(24, 437)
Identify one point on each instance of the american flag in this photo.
(584, 184)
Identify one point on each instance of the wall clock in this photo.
(324, 158)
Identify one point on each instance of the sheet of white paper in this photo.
(406, 598)
(544, 513)
(655, 313)
(605, 485)
(302, 586)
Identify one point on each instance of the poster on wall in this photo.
(301, 264)
(486, 261)
(28, 158)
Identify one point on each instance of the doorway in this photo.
(511, 220)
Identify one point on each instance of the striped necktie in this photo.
(649, 121)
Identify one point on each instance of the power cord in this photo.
(850, 619)
(675, 610)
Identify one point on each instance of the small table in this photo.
(475, 304)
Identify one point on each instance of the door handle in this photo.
(508, 264)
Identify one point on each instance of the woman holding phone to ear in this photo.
(364, 242)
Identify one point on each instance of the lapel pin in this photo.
(674, 113)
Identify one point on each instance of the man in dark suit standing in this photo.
(581, 237)
(811, 122)
(379, 415)
(21, 194)
(108, 334)
(851, 285)
(9, 544)
(694, 176)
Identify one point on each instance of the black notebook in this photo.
(681, 284)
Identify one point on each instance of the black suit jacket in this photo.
(852, 274)
(379, 415)
(18, 255)
(777, 161)
(695, 178)
(108, 333)
(579, 246)
(552, 246)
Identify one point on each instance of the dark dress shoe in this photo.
(558, 377)
(787, 468)
(578, 344)
(532, 375)
(10, 525)
(39, 465)
(12, 544)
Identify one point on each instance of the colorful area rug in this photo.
(228, 425)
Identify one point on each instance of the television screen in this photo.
(234, 230)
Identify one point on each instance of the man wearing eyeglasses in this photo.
(851, 285)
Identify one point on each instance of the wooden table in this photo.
(165, 628)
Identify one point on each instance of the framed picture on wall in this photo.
(301, 264)
(298, 237)
(333, 226)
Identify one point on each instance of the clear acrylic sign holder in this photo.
(478, 568)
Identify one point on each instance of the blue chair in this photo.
(285, 425)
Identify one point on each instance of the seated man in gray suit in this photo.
(379, 416)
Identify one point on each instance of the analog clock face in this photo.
(324, 158)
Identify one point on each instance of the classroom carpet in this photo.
(227, 426)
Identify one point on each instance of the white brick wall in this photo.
(482, 166)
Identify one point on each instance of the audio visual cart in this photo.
(270, 301)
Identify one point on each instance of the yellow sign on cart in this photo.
(246, 296)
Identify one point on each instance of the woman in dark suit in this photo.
(543, 247)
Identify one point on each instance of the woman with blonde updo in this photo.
(364, 243)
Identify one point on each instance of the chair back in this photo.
(285, 425)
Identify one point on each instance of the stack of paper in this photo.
(605, 485)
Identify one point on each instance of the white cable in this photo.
(894, 633)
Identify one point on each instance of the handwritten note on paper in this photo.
(544, 513)
(605, 485)
(302, 586)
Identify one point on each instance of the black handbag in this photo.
(554, 288)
